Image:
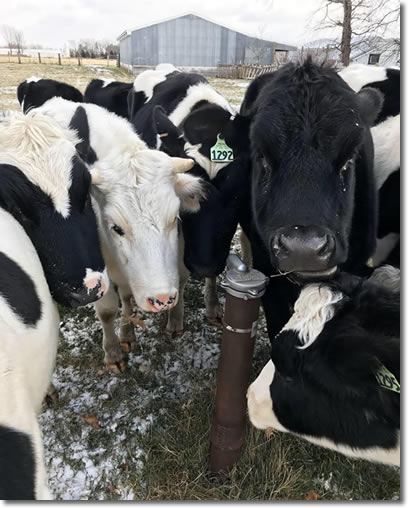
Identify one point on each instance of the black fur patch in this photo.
(79, 122)
(36, 93)
(112, 97)
(17, 465)
(18, 289)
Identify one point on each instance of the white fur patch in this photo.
(33, 79)
(43, 151)
(197, 93)
(212, 168)
(166, 67)
(147, 80)
(107, 82)
(357, 75)
(313, 309)
(386, 139)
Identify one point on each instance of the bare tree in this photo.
(8, 34)
(363, 24)
(19, 41)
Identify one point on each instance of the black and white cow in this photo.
(34, 91)
(313, 190)
(110, 94)
(185, 116)
(334, 374)
(386, 138)
(46, 187)
(138, 195)
(49, 249)
(125, 99)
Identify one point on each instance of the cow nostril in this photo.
(327, 246)
(151, 300)
(278, 244)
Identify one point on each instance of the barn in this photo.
(194, 41)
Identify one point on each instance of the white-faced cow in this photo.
(49, 248)
(386, 138)
(185, 116)
(313, 189)
(137, 198)
(334, 374)
(34, 91)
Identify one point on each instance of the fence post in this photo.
(108, 59)
(19, 57)
(39, 57)
(118, 60)
(59, 59)
(79, 59)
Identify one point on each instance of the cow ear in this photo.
(190, 191)
(170, 136)
(79, 122)
(205, 123)
(135, 101)
(370, 101)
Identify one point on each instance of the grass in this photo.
(153, 441)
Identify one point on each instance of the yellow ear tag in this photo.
(387, 380)
(221, 152)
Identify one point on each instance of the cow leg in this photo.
(127, 331)
(175, 321)
(212, 305)
(106, 309)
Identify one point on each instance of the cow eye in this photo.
(118, 230)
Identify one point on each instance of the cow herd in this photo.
(119, 194)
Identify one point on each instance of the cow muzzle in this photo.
(307, 252)
(161, 302)
(94, 287)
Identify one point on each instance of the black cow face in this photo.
(326, 379)
(68, 247)
(308, 136)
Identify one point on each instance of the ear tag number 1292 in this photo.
(221, 152)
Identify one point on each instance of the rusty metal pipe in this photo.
(244, 288)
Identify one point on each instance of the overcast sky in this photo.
(53, 22)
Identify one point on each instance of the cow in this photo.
(138, 194)
(185, 116)
(110, 94)
(334, 373)
(46, 187)
(386, 138)
(125, 99)
(313, 198)
(49, 252)
(34, 91)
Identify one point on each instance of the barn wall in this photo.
(190, 41)
(126, 51)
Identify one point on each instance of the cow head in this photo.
(310, 140)
(33, 92)
(323, 380)
(46, 187)
(139, 205)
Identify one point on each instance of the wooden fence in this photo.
(243, 71)
(56, 60)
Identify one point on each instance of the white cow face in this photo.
(138, 216)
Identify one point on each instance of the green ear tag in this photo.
(221, 152)
(387, 380)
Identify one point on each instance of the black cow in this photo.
(111, 95)
(46, 187)
(312, 189)
(33, 92)
(386, 138)
(184, 116)
(334, 373)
